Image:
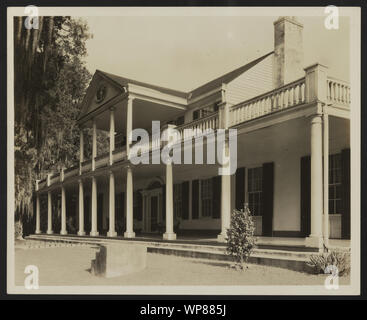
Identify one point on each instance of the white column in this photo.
(129, 204)
(81, 231)
(81, 147)
(38, 214)
(94, 144)
(111, 231)
(94, 231)
(129, 124)
(315, 238)
(63, 211)
(169, 235)
(112, 134)
(326, 178)
(225, 207)
(225, 198)
(49, 213)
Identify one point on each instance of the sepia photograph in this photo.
(183, 151)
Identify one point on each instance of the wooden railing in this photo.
(119, 154)
(42, 184)
(338, 92)
(86, 166)
(55, 178)
(102, 160)
(198, 126)
(71, 172)
(281, 98)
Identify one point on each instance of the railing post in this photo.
(316, 83)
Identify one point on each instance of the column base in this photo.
(169, 236)
(129, 234)
(222, 237)
(38, 232)
(81, 233)
(111, 234)
(315, 242)
(49, 232)
(94, 233)
(63, 232)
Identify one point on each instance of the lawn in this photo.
(68, 266)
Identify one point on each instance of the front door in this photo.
(152, 210)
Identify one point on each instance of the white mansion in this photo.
(293, 156)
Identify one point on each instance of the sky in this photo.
(184, 52)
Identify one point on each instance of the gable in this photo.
(100, 90)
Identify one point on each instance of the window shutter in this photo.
(346, 193)
(139, 206)
(306, 196)
(195, 199)
(185, 200)
(240, 188)
(217, 189)
(195, 115)
(267, 198)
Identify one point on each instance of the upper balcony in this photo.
(330, 92)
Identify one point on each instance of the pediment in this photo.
(101, 90)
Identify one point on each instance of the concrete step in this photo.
(293, 260)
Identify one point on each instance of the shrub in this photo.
(339, 259)
(240, 236)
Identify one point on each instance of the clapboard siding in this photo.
(257, 80)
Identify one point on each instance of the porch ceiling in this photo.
(144, 112)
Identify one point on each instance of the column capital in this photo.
(317, 118)
(112, 108)
(130, 98)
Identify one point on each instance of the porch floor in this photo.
(283, 243)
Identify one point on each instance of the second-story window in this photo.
(206, 111)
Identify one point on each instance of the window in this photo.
(255, 190)
(335, 184)
(177, 200)
(206, 197)
(180, 120)
(206, 111)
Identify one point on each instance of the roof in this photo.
(121, 81)
(211, 85)
(228, 77)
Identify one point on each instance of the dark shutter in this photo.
(306, 196)
(139, 206)
(185, 200)
(195, 115)
(345, 157)
(195, 199)
(267, 198)
(240, 188)
(217, 189)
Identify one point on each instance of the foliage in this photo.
(340, 259)
(240, 236)
(49, 85)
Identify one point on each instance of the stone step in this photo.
(293, 260)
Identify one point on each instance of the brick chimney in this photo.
(288, 51)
